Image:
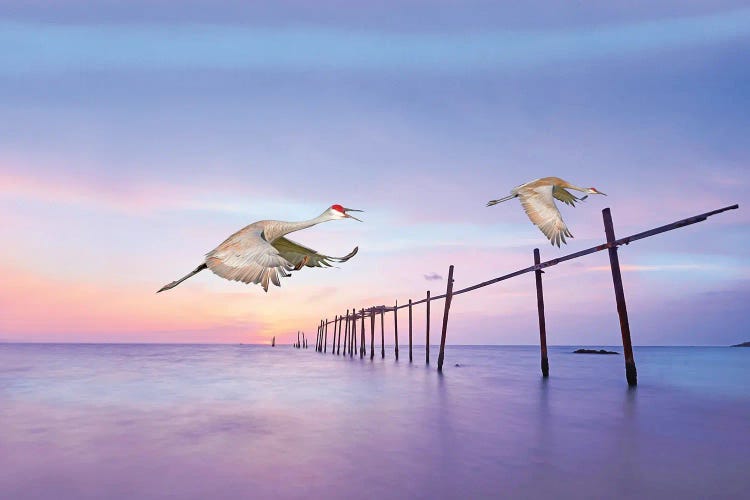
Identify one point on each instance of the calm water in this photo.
(197, 421)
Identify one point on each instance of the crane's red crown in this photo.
(338, 208)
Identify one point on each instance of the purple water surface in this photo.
(223, 421)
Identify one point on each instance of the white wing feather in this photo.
(539, 205)
(246, 256)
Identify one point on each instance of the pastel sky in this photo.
(136, 136)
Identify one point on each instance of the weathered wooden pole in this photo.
(540, 308)
(353, 343)
(427, 341)
(382, 334)
(410, 356)
(304, 340)
(333, 342)
(372, 334)
(362, 346)
(338, 345)
(325, 337)
(298, 343)
(395, 327)
(448, 299)
(346, 331)
(627, 348)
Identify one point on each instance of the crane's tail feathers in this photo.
(495, 202)
(175, 283)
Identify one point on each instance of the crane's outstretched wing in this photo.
(300, 255)
(246, 256)
(566, 196)
(539, 205)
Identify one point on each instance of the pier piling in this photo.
(448, 299)
(622, 311)
(540, 309)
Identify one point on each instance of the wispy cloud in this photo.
(432, 277)
(53, 48)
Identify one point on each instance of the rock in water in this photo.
(593, 351)
(744, 344)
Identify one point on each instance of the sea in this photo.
(145, 421)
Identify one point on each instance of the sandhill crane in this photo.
(537, 199)
(259, 253)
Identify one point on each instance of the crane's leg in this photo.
(495, 202)
(192, 273)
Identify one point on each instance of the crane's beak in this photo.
(352, 210)
(599, 192)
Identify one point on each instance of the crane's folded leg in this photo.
(175, 283)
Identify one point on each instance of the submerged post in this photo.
(372, 334)
(382, 333)
(448, 298)
(333, 342)
(427, 340)
(395, 326)
(540, 308)
(346, 330)
(362, 346)
(325, 337)
(338, 344)
(298, 343)
(410, 357)
(353, 344)
(627, 348)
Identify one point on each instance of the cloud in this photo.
(55, 48)
(433, 277)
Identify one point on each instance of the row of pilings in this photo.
(344, 327)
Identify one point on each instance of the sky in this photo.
(136, 136)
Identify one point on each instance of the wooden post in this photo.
(362, 346)
(410, 356)
(346, 330)
(382, 334)
(448, 299)
(395, 327)
(540, 308)
(298, 343)
(333, 342)
(427, 341)
(325, 337)
(338, 346)
(353, 343)
(372, 334)
(630, 372)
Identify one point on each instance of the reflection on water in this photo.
(145, 421)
